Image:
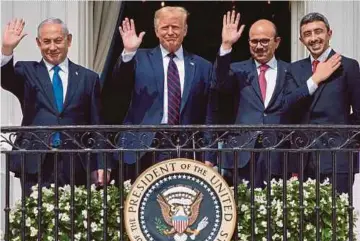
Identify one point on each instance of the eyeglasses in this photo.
(264, 42)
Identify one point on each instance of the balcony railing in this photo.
(293, 145)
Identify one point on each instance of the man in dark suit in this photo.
(253, 90)
(323, 88)
(54, 91)
(168, 85)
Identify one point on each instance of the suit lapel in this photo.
(156, 61)
(43, 75)
(322, 85)
(73, 81)
(190, 66)
(281, 70)
(254, 78)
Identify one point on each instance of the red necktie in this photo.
(174, 92)
(314, 65)
(262, 80)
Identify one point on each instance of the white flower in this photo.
(112, 182)
(127, 185)
(34, 194)
(35, 210)
(65, 217)
(244, 208)
(49, 207)
(93, 226)
(84, 213)
(77, 236)
(28, 222)
(309, 226)
(33, 231)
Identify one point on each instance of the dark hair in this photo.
(312, 17)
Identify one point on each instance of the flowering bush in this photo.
(96, 214)
(293, 212)
(244, 213)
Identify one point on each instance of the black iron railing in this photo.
(294, 144)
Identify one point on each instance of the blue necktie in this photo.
(174, 92)
(58, 93)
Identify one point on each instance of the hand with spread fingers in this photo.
(231, 31)
(129, 37)
(327, 68)
(12, 36)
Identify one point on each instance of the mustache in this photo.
(260, 51)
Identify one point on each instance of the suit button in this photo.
(265, 114)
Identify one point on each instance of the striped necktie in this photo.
(174, 92)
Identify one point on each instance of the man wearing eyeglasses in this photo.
(323, 88)
(252, 89)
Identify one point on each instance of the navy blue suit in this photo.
(143, 77)
(238, 89)
(29, 81)
(330, 104)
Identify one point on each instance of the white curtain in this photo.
(103, 17)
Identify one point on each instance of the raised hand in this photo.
(128, 34)
(231, 31)
(12, 35)
(327, 68)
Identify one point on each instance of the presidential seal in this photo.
(180, 200)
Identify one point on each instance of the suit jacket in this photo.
(238, 90)
(29, 81)
(330, 104)
(143, 77)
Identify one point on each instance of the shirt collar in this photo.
(323, 57)
(64, 66)
(179, 53)
(272, 63)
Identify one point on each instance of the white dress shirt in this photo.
(179, 61)
(64, 72)
(312, 86)
(270, 75)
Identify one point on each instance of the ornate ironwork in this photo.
(239, 137)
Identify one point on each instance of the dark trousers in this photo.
(48, 174)
(260, 175)
(131, 171)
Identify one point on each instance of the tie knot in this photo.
(172, 55)
(56, 69)
(263, 67)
